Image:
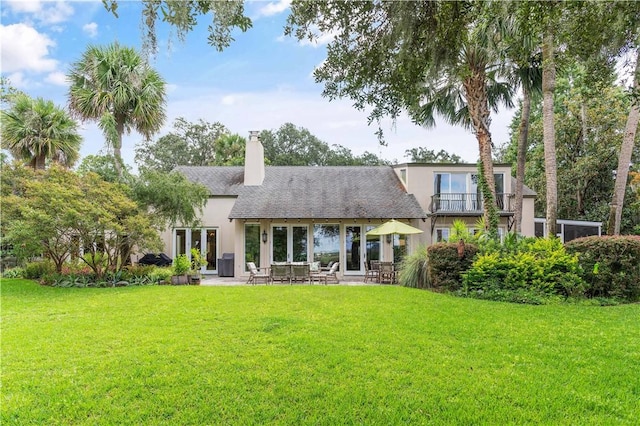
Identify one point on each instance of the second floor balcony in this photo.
(468, 203)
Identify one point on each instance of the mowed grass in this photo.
(301, 354)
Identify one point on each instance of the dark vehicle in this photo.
(159, 259)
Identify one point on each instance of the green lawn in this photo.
(310, 355)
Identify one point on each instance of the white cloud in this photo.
(25, 49)
(46, 12)
(274, 8)
(60, 11)
(90, 29)
(58, 78)
(34, 6)
(18, 80)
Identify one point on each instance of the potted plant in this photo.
(181, 266)
(197, 262)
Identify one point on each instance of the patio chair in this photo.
(386, 273)
(369, 273)
(300, 273)
(281, 273)
(331, 275)
(256, 275)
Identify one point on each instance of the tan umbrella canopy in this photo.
(394, 227)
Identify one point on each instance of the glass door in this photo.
(289, 243)
(353, 246)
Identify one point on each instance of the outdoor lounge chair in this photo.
(281, 272)
(331, 275)
(256, 275)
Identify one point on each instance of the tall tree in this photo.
(589, 122)
(35, 130)
(293, 146)
(426, 58)
(230, 150)
(183, 16)
(188, 144)
(424, 155)
(116, 87)
(624, 159)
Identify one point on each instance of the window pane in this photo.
(399, 247)
(279, 244)
(212, 249)
(300, 243)
(352, 247)
(252, 244)
(181, 241)
(373, 246)
(326, 243)
(458, 183)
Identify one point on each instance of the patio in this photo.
(214, 280)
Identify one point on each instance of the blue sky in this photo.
(261, 81)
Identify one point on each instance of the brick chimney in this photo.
(253, 160)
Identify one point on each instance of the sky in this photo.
(262, 81)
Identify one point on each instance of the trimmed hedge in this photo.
(445, 266)
(610, 265)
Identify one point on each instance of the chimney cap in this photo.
(253, 134)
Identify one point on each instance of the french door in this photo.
(289, 243)
(203, 239)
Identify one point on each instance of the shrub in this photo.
(446, 265)
(16, 272)
(610, 265)
(38, 269)
(413, 271)
(530, 271)
(181, 264)
(160, 275)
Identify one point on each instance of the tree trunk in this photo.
(523, 136)
(117, 148)
(39, 162)
(624, 160)
(476, 93)
(548, 131)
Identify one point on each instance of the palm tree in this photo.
(114, 86)
(37, 130)
(464, 92)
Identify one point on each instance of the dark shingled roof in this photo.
(327, 193)
(312, 192)
(227, 181)
(526, 191)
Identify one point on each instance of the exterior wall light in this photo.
(264, 237)
(389, 237)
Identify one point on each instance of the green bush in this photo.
(610, 265)
(181, 264)
(38, 269)
(530, 271)
(446, 265)
(160, 275)
(16, 272)
(413, 270)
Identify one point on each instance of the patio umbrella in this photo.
(394, 227)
